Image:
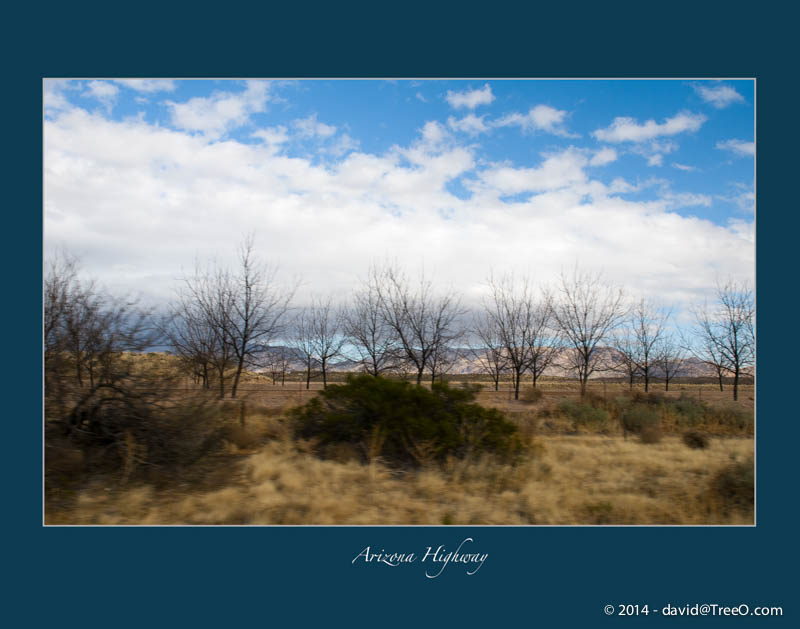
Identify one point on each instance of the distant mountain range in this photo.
(464, 362)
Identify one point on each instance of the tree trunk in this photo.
(736, 385)
(236, 378)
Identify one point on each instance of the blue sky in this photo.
(650, 181)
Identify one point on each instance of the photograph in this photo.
(349, 302)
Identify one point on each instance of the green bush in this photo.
(403, 423)
(640, 417)
(584, 414)
(730, 416)
(689, 411)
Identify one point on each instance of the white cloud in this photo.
(743, 198)
(654, 151)
(620, 186)
(103, 91)
(604, 156)
(421, 97)
(625, 129)
(470, 98)
(684, 167)
(741, 148)
(54, 97)
(557, 171)
(538, 118)
(310, 127)
(469, 124)
(341, 145)
(686, 199)
(719, 96)
(273, 137)
(221, 112)
(112, 186)
(433, 135)
(148, 86)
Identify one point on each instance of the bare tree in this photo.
(197, 325)
(365, 325)
(191, 337)
(257, 308)
(510, 310)
(624, 359)
(86, 329)
(726, 331)
(488, 348)
(523, 326)
(671, 359)
(587, 313)
(302, 341)
(648, 327)
(226, 318)
(277, 360)
(423, 322)
(327, 334)
(442, 360)
(543, 339)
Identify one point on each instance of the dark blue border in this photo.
(549, 577)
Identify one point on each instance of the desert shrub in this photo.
(639, 417)
(403, 423)
(584, 414)
(695, 440)
(689, 411)
(125, 431)
(730, 416)
(599, 512)
(650, 433)
(733, 486)
(653, 398)
(531, 395)
(596, 400)
(243, 437)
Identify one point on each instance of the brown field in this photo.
(570, 475)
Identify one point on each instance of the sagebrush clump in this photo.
(404, 424)
(531, 395)
(639, 419)
(734, 486)
(695, 440)
(584, 414)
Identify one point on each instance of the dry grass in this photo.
(586, 479)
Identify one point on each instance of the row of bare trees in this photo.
(224, 321)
